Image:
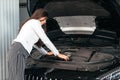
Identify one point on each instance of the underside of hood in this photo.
(112, 6)
(108, 9)
(76, 7)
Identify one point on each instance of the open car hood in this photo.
(76, 7)
(88, 53)
(108, 9)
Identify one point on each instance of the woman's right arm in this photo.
(42, 35)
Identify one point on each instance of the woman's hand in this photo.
(62, 56)
(49, 53)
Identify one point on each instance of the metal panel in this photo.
(77, 24)
(9, 22)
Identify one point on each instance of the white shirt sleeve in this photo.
(42, 35)
(40, 49)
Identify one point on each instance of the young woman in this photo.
(30, 32)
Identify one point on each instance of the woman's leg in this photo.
(16, 62)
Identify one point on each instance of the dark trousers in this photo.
(16, 61)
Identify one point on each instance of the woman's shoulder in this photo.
(35, 21)
(32, 20)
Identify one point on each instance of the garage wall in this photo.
(9, 22)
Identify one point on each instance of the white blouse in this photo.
(30, 33)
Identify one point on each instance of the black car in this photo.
(85, 30)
